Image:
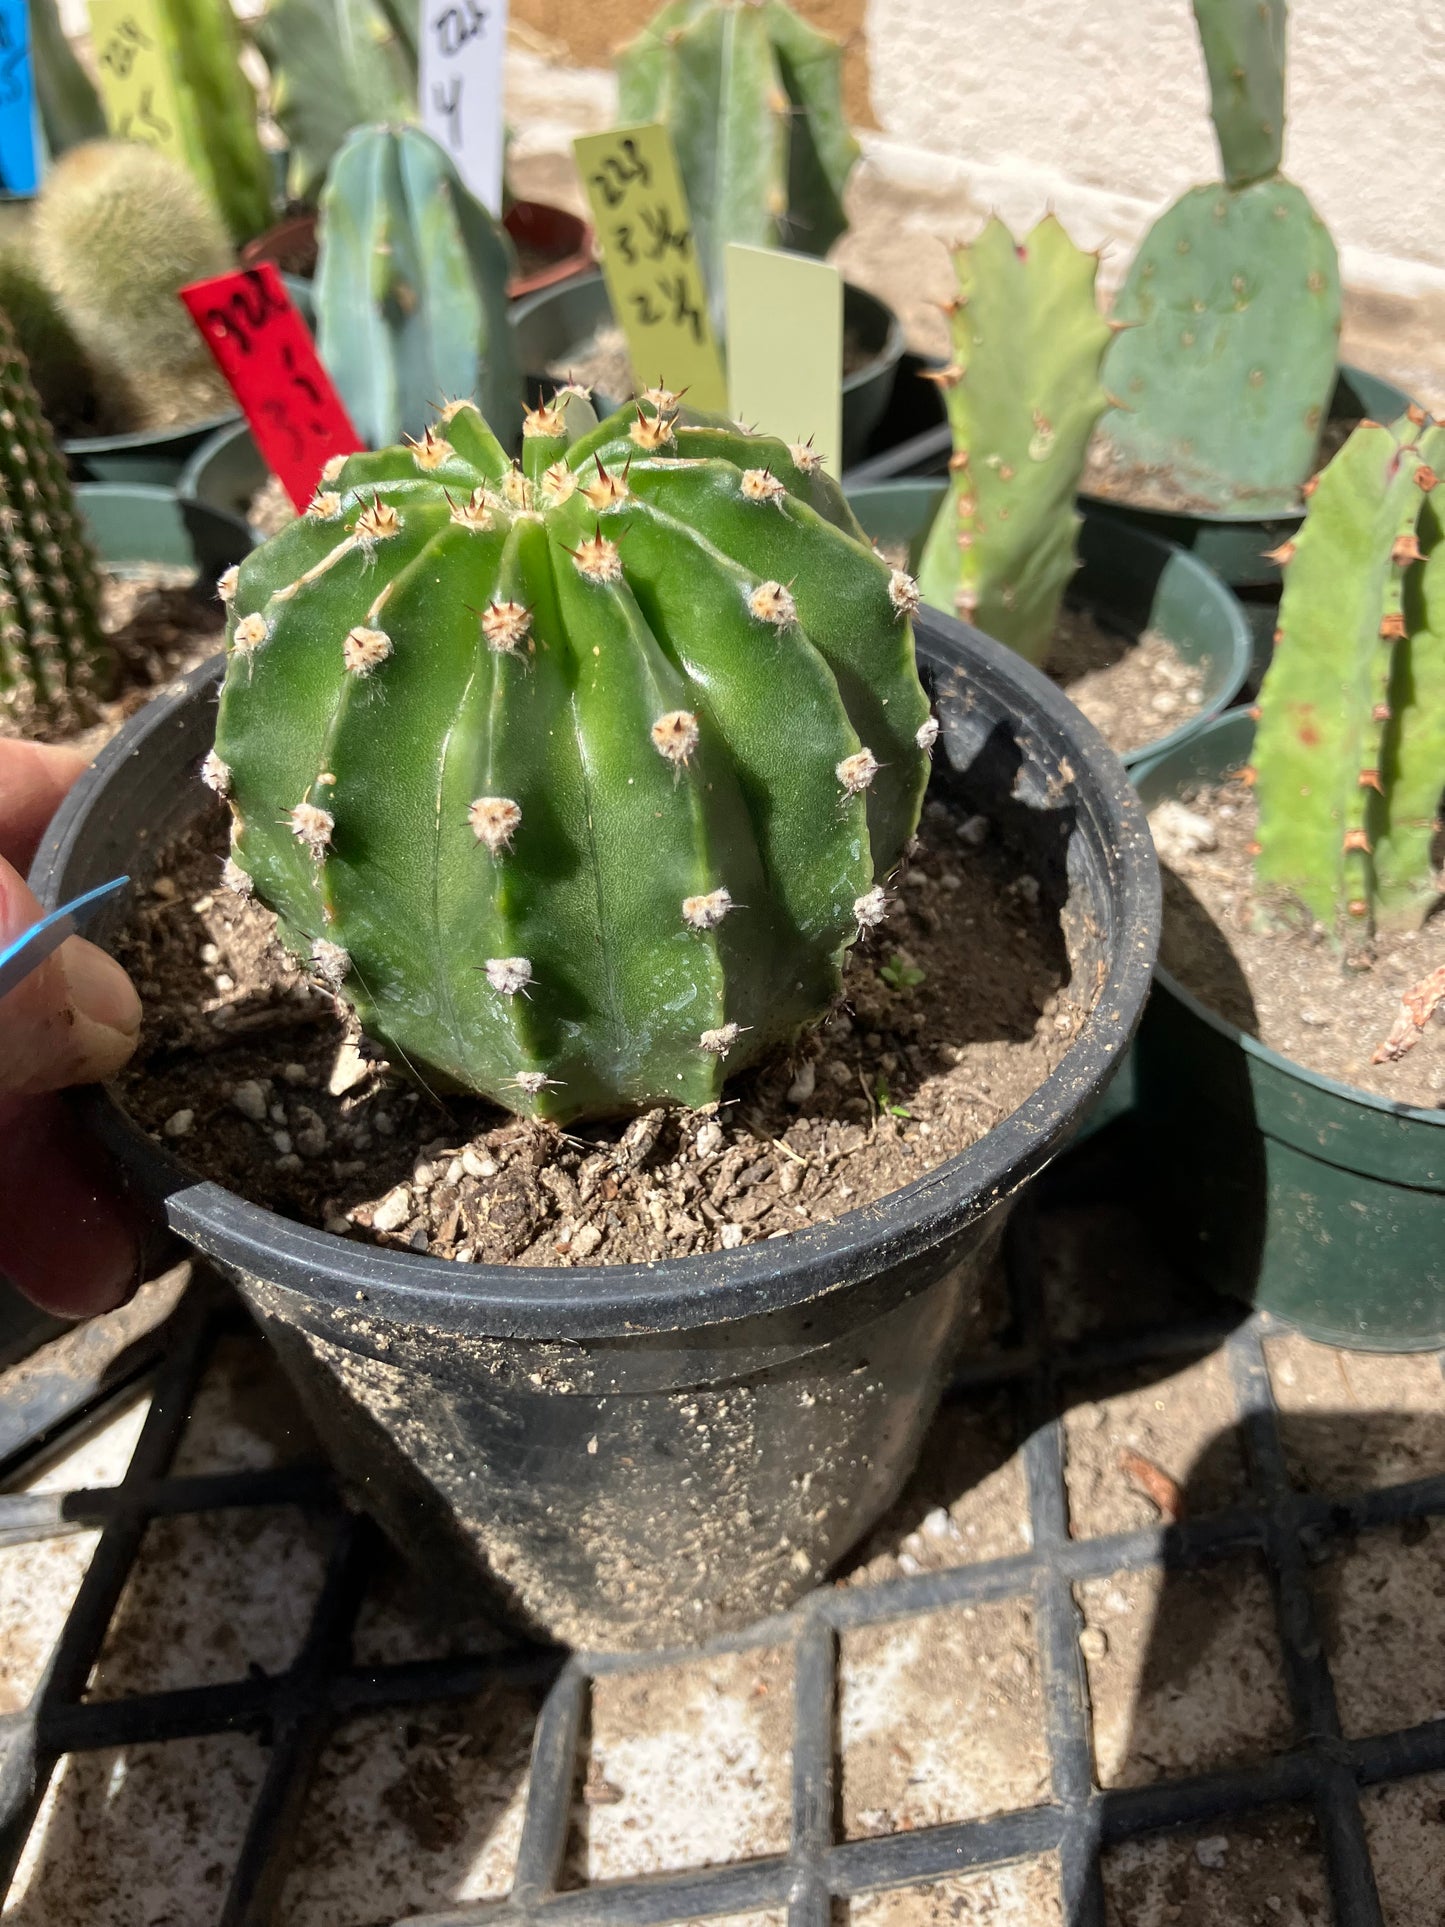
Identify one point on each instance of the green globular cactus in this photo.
(335, 65)
(411, 290)
(1232, 304)
(58, 365)
(54, 660)
(1023, 395)
(753, 99)
(1349, 759)
(576, 779)
(118, 229)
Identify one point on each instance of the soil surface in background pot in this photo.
(954, 1015)
(1151, 485)
(602, 362)
(1288, 987)
(1133, 689)
(160, 625)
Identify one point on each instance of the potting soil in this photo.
(953, 1014)
(1288, 986)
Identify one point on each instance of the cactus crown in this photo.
(118, 229)
(1232, 301)
(576, 778)
(1243, 43)
(335, 65)
(1023, 396)
(54, 661)
(411, 289)
(1349, 762)
(753, 100)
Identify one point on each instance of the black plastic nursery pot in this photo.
(1317, 1201)
(555, 323)
(1130, 580)
(1237, 547)
(1234, 546)
(134, 526)
(625, 1455)
(152, 456)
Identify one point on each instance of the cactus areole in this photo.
(576, 779)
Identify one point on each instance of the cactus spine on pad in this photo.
(1023, 395)
(1243, 43)
(1349, 764)
(576, 779)
(753, 99)
(411, 290)
(1233, 303)
(335, 65)
(54, 661)
(118, 229)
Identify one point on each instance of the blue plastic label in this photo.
(19, 130)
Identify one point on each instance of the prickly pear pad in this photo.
(577, 778)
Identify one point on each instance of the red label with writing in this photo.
(265, 351)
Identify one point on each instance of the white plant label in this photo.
(462, 44)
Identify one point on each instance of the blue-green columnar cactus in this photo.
(411, 290)
(576, 779)
(1023, 395)
(1226, 371)
(753, 99)
(1349, 761)
(335, 65)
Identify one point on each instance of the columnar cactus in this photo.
(54, 661)
(1349, 761)
(1233, 300)
(335, 65)
(753, 99)
(1023, 396)
(70, 109)
(118, 229)
(216, 104)
(576, 779)
(411, 290)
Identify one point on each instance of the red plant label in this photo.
(265, 351)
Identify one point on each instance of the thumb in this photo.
(75, 1020)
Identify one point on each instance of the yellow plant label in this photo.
(785, 347)
(650, 260)
(137, 83)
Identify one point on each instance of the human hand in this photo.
(66, 1239)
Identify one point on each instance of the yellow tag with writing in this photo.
(785, 347)
(137, 83)
(644, 230)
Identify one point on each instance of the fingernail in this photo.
(103, 997)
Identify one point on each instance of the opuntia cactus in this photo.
(1226, 372)
(118, 229)
(1023, 395)
(411, 290)
(54, 660)
(576, 779)
(753, 99)
(1349, 759)
(335, 65)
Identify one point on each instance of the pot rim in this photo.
(1208, 581)
(143, 438)
(1250, 1045)
(894, 340)
(639, 1300)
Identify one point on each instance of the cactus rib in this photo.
(601, 875)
